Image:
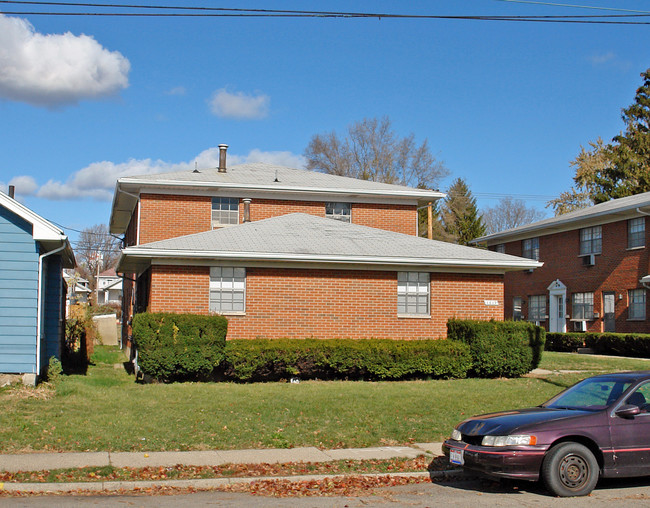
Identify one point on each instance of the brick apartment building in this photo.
(291, 253)
(595, 268)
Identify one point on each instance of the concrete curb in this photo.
(200, 484)
(71, 460)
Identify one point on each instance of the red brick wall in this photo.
(617, 269)
(328, 303)
(180, 289)
(166, 216)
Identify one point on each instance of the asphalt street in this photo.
(473, 492)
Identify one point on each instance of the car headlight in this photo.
(456, 435)
(508, 440)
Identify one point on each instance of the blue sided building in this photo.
(33, 253)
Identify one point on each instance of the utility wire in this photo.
(552, 4)
(263, 13)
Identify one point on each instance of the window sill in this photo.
(635, 319)
(640, 247)
(414, 316)
(231, 313)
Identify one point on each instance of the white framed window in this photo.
(227, 290)
(516, 308)
(636, 304)
(530, 248)
(500, 248)
(583, 306)
(225, 212)
(636, 232)
(537, 308)
(338, 211)
(413, 293)
(591, 240)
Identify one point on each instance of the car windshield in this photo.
(591, 394)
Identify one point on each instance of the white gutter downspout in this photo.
(39, 311)
(644, 284)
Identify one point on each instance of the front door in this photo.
(609, 316)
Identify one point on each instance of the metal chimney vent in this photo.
(222, 158)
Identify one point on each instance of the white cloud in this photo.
(97, 180)
(239, 105)
(56, 69)
(178, 90)
(602, 58)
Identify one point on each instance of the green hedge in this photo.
(564, 342)
(619, 344)
(499, 348)
(174, 347)
(274, 359)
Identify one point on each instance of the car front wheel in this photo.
(570, 469)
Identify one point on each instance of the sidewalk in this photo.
(71, 460)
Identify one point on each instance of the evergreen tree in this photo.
(459, 216)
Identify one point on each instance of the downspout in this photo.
(644, 284)
(39, 310)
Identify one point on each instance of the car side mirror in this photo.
(628, 411)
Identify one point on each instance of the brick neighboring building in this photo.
(595, 268)
(257, 243)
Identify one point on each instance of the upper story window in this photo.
(413, 293)
(636, 232)
(591, 240)
(636, 299)
(227, 289)
(583, 306)
(501, 248)
(225, 212)
(338, 211)
(537, 308)
(530, 248)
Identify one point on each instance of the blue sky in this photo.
(506, 105)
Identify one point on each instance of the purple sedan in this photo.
(600, 427)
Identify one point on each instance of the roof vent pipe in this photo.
(222, 158)
(12, 191)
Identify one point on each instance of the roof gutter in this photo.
(140, 253)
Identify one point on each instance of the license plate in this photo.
(456, 457)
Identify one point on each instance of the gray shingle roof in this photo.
(259, 178)
(615, 209)
(305, 238)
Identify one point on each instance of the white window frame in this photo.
(537, 308)
(339, 211)
(225, 212)
(500, 248)
(530, 248)
(636, 233)
(227, 290)
(414, 294)
(636, 304)
(591, 240)
(582, 306)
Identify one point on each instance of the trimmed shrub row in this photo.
(564, 342)
(499, 348)
(619, 344)
(175, 347)
(270, 360)
(614, 344)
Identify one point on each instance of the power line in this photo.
(276, 13)
(552, 4)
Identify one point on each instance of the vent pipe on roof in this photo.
(222, 158)
(247, 209)
(12, 191)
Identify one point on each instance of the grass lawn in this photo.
(107, 410)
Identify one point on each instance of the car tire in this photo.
(570, 469)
